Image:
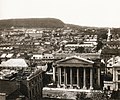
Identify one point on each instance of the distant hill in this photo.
(89, 29)
(78, 27)
(32, 23)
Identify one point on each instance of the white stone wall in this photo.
(107, 84)
(2, 96)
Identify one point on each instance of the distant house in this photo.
(37, 56)
(3, 56)
(87, 47)
(14, 64)
(6, 56)
(10, 55)
(34, 33)
(47, 58)
(110, 64)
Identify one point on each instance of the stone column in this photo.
(71, 81)
(64, 77)
(31, 94)
(114, 78)
(54, 74)
(34, 91)
(59, 77)
(84, 78)
(91, 78)
(29, 89)
(98, 76)
(78, 78)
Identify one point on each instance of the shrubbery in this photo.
(91, 96)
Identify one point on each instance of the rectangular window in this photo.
(74, 75)
(119, 77)
(108, 87)
(118, 85)
(68, 75)
(62, 75)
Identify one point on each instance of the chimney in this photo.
(113, 56)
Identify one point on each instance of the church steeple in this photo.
(109, 34)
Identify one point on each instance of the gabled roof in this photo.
(117, 64)
(14, 63)
(75, 57)
(117, 58)
(111, 64)
(3, 55)
(44, 68)
(10, 55)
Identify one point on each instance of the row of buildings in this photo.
(63, 59)
(81, 72)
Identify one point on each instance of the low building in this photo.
(47, 58)
(16, 64)
(18, 79)
(112, 79)
(86, 47)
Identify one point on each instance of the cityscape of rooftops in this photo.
(59, 50)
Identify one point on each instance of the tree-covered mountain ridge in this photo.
(32, 23)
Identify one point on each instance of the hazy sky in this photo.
(80, 12)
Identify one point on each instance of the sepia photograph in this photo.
(59, 50)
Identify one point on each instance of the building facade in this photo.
(76, 73)
(18, 78)
(112, 82)
(34, 85)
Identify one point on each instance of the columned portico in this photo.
(75, 73)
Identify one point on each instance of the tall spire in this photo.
(109, 34)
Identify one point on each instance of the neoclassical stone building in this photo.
(76, 73)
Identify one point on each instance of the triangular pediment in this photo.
(75, 61)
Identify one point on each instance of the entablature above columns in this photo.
(74, 65)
